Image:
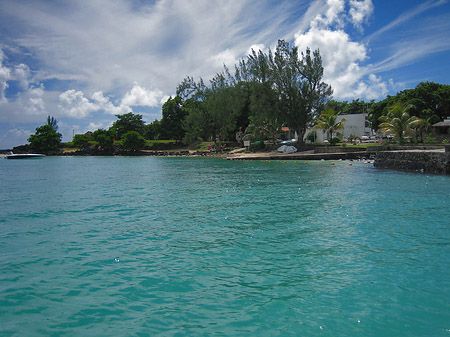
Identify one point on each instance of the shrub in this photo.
(133, 141)
(429, 140)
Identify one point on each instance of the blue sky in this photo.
(84, 61)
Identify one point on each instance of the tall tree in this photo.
(51, 121)
(300, 85)
(265, 121)
(173, 115)
(45, 140)
(133, 141)
(127, 122)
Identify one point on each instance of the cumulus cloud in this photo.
(333, 15)
(76, 105)
(226, 57)
(360, 11)
(343, 58)
(21, 74)
(140, 96)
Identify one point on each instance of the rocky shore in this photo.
(427, 161)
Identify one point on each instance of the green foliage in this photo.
(105, 142)
(430, 140)
(81, 141)
(299, 85)
(328, 123)
(45, 140)
(311, 136)
(125, 123)
(153, 130)
(104, 139)
(398, 121)
(133, 141)
(266, 92)
(173, 115)
(429, 101)
(51, 121)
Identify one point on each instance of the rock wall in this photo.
(419, 161)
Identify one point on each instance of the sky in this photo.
(85, 61)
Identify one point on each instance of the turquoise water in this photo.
(103, 246)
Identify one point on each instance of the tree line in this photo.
(264, 92)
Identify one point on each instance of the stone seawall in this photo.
(429, 161)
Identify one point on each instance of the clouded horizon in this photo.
(85, 61)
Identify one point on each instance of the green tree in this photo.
(133, 141)
(265, 121)
(329, 123)
(299, 84)
(173, 115)
(197, 122)
(81, 141)
(222, 109)
(105, 142)
(127, 122)
(264, 103)
(45, 140)
(153, 130)
(398, 121)
(51, 121)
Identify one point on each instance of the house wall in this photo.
(355, 125)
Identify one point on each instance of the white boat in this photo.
(24, 156)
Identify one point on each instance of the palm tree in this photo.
(398, 121)
(329, 124)
(51, 121)
(424, 124)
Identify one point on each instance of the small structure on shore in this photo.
(357, 125)
(442, 129)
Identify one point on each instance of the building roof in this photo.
(445, 123)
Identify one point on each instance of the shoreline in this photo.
(424, 159)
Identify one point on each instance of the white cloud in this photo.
(257, 48)
(339, 54)
(5, 75)
(140, 96)
(32, 101)
(333, 15)
(22, 74)
(14, 137)
(226, 57)
(75, 105)
(343, 58)
(360, 11)
(115, 55)
(373, 88)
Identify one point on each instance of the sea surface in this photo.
(144, 246)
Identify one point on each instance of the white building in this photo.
(355, 124)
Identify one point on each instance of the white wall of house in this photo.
(355, 124)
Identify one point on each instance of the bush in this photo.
(430, 140)
(312, 136)
(133, 141)
(334, 141)
(257, 146)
